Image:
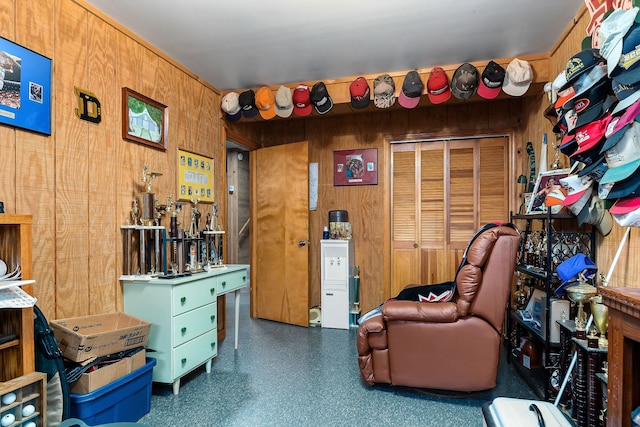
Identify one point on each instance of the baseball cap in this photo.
(284, 103)
(360, 93)
(491, 80)
(623, 158)
(231, 107)
(302, 101)
(518, 77)
(265, 102)
(591, 105)
(604, 189)
(625, 205)
(438, 89)
(568, 145)
(569, 269)
(576, 187)
(320, 98)
(627, 69)
(590, 139)
(595, 170)
(619, 124)
(631, 218)
(464, 82)
(594, 213)
(384, 89)
(629, 187)
(585, 82)
(247, 100)
(554, 200)
(559, 82)
(580, 63)
(409, 96)
(566, 123)
(611, 32)
(626, 94)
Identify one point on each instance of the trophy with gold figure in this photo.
(147, 200)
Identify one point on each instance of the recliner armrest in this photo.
(374, 325)
(440, 312)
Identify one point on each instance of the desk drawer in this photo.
(232, 281)
(192, 295)
(194, 353)
(193, 323)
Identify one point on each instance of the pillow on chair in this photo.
(441, 292)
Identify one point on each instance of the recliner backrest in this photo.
(480, 265)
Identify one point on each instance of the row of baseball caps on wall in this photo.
(465, 82)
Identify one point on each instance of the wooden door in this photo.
(280, 233)
(441, 193)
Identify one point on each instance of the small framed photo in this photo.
(547, 182)
(144, 120)
(355, 167)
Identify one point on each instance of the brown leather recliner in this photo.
(451, 345)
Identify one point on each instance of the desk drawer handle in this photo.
(224, 284)
(213, 318)
(212, 290)
(213, 345)
(184, 360)
(183, 330)
(244, 278)
(183, 300)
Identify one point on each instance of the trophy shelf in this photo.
(17, 353)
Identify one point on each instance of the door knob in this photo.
(303, 242)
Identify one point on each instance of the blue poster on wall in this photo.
(25, 88)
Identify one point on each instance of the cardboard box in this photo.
(81, 338)
(91, 381)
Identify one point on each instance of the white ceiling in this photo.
(242, 44)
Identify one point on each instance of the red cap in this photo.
(302, 100)
(591, 134)
(360, 93)
(625, 205)
(438, 89)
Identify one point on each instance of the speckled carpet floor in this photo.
(283, 375)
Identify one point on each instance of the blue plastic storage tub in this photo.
(125, 399)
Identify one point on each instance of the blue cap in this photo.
(569, 270)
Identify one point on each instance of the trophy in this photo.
(600, 313)
(146, 201)
(581, 293)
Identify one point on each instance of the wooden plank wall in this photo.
(368, 205)
(79, 182)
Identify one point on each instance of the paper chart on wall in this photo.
(313, 186)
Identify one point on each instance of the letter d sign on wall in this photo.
(88, 106)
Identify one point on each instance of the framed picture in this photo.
(25, 88)
(355, 167)
(547, 182)
(144, 120)
(195, 177)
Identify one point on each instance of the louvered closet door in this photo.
(442, 192)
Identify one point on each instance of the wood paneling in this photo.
(79, 182)
(369, 206)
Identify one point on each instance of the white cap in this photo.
(518, 77)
